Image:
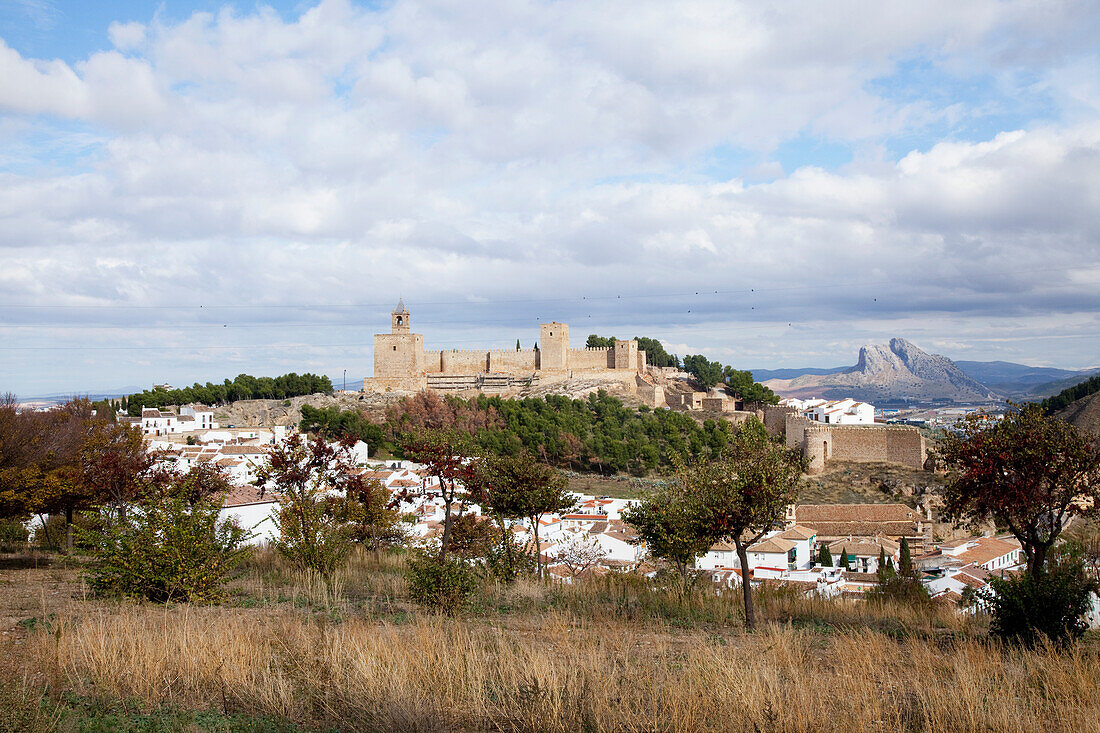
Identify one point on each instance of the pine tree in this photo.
(905, 561)
(824, 557)
(844, 559)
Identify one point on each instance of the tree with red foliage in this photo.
(1029, 472)
(116, 467)
(443, 453)
(202, 481)
(315, 483)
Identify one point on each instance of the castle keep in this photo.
(400, 361)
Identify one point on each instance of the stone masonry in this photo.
(401, 363)
(821, 443)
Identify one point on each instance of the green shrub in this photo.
(13, 535)
(445, 585)
(1027, 609)
(314, 530)
(166, 550)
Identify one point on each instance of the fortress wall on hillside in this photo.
(519, 363)
(738, 417)
(591, 359)
(861, 444)
(460, 362)
(775, 418)
(795, 429)
(650, 392)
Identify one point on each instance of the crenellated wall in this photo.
(591, 359)
(775, 418)
(400, 359)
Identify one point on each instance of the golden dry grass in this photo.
(608, 656)
(445, 674)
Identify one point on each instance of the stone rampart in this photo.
(859, 443)
(591, 359)
(458, 362)
(520, 362)
(775, 418)
(650, 392)
(795, 428)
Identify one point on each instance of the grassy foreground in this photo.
(286, 652)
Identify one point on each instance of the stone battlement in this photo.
(400, 356)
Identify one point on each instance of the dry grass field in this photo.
(288, 652)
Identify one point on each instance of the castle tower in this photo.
(626, 354)
(400, 316)
(553, 346)
(399, 354)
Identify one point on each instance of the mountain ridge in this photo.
(899, 370)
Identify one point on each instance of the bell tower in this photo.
(400, 353)
(400, 318)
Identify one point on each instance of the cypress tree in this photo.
(844, 559)
(905, 561)
(824, 557)
(517, 344)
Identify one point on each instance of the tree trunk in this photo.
(506, 540)
(1037, 563)
(746, 586)
(45, 530)
(69, 529)
(446, 526)
(538, 548)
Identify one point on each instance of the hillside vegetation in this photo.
(1071, 394)
(598, 434)
(244, 387)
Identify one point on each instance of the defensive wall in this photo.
(820, 443)
(649, 391)
(591, 358)
(775, 418)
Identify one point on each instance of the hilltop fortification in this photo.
(402, 363)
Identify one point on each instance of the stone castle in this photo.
(401, 363)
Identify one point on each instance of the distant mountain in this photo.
(1014, 380)
(887, 372)
(760, 375)
(1049, 389)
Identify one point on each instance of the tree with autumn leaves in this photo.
(67, 460)
(1030, 473)
(317, 484)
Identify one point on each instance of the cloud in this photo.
(519, 161)
(126, 36)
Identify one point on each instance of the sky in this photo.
(194, 190)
